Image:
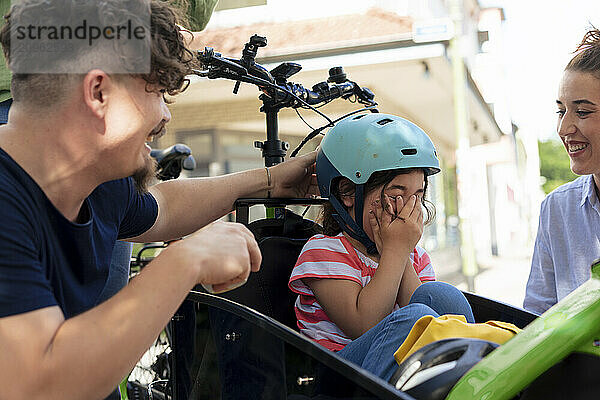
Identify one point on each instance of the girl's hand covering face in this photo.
(396, 225)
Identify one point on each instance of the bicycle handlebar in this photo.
(324, 92)
(274, 82)
(278, 93)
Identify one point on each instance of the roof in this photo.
(288, 37)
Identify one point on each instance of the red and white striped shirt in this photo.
(334, 257)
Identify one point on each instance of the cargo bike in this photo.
(244, 344)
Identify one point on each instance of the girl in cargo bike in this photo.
(365, 281)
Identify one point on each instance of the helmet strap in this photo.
(348, 225)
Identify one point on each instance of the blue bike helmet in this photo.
(360, 145)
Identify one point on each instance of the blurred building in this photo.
(399, 49)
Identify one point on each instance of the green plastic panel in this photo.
(571, 325)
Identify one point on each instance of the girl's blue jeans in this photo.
(374, 350)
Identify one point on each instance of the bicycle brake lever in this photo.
(216, 64)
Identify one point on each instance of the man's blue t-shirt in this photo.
(47, 260)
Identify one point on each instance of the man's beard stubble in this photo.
(145, 175)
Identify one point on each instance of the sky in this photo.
(539, 37)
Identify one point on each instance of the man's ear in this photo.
(96, 85)
(346, 190)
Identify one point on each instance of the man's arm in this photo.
(186, 205)
(47, 357)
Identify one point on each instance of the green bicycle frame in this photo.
(572, 325)
(123, 388)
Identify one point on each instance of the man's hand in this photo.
(223, 252)
(295, 177)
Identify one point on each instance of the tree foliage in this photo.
(554, 165)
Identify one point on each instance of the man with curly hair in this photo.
(67, 193)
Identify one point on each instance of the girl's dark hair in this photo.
(587, 54)
(379, 178)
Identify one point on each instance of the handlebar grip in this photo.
(172, 160)
(322, 92)
(166, 155)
